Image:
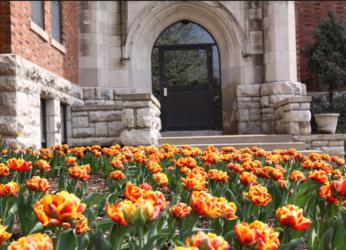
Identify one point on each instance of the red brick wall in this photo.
(308, 15)
(5, 30)
(27, 43)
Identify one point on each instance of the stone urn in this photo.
(326, 123)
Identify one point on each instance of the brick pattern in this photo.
(28, 44)
(5, 31)
(308, 15)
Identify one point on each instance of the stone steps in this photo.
(265, 145)
(226, 139)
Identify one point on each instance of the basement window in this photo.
(63, 115)
(43, 123)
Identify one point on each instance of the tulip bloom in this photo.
(3, 234)
(36, 241)
(319, 176)
(296, 175)
(80, 172)
(340, 187)
(196, 182)
(180, 210)
(116, 212)
(70, 161)
(248, 178)
(4, 170)
(82, 225)
(18, 164)
(161, 179)
(292, 216)
(259, 195)
(257, 235)
(213, 207)
(325, 192)
(60, 209)
(9, 189)
(209, 241)
(116, 175)
(218, 175)
(36, 183)
(43, 165)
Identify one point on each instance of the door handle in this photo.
(164, 91)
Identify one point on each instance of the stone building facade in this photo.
(95, 85)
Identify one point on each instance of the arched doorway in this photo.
(186, 78)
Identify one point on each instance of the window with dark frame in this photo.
(63, 115)
(56, 16)
(43, 123)
(37, 13)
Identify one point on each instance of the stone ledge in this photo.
(294, 99)
(95, 107)
(141, 97)
(320, 137)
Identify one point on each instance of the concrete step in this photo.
(306, 152)
(265, 145)
(225, 139)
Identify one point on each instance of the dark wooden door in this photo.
(186, 87)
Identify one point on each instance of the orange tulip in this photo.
(116, 212)
(248, 178)
(82, 225)
(340, 187)
(4, 170)
(80, 172)
(213, 207)
(9, 189)
(218, 175)
(259, 195)
(153, 167)
(196, 182)
(257, 235)
(43, 165)
(326, 193)
(180, 210)
(296, 175)
(3, 234)
(60, 209)
(132, 192)
(292, 216)
(18, 164)
(209, 241)
(236, 167)
(34, 241)
(161, 179)
(116, 175)
(36, 183)
(70, 161)
(319, 176)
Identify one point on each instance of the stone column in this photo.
(53, 122)
(280, 63)
(140, 119)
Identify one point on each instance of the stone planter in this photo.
(326, 123)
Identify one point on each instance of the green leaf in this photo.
(100, 242)
(292, 245)
(67, 240)
(339, 236)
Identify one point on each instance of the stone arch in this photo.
(213, 16)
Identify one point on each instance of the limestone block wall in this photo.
(292, 116)
(140, 119)
(98, 121)
(332, 144)
(255, 104)
(22, 85)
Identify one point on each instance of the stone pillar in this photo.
(280, 63)
(53, 120)
(279, 41)
(140, 119)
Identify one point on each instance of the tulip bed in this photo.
(171, 198)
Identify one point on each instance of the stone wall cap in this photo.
(293, 99)
(95, 107)
(320, 137)
(141, 97)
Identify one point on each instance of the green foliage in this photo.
(328, 54)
